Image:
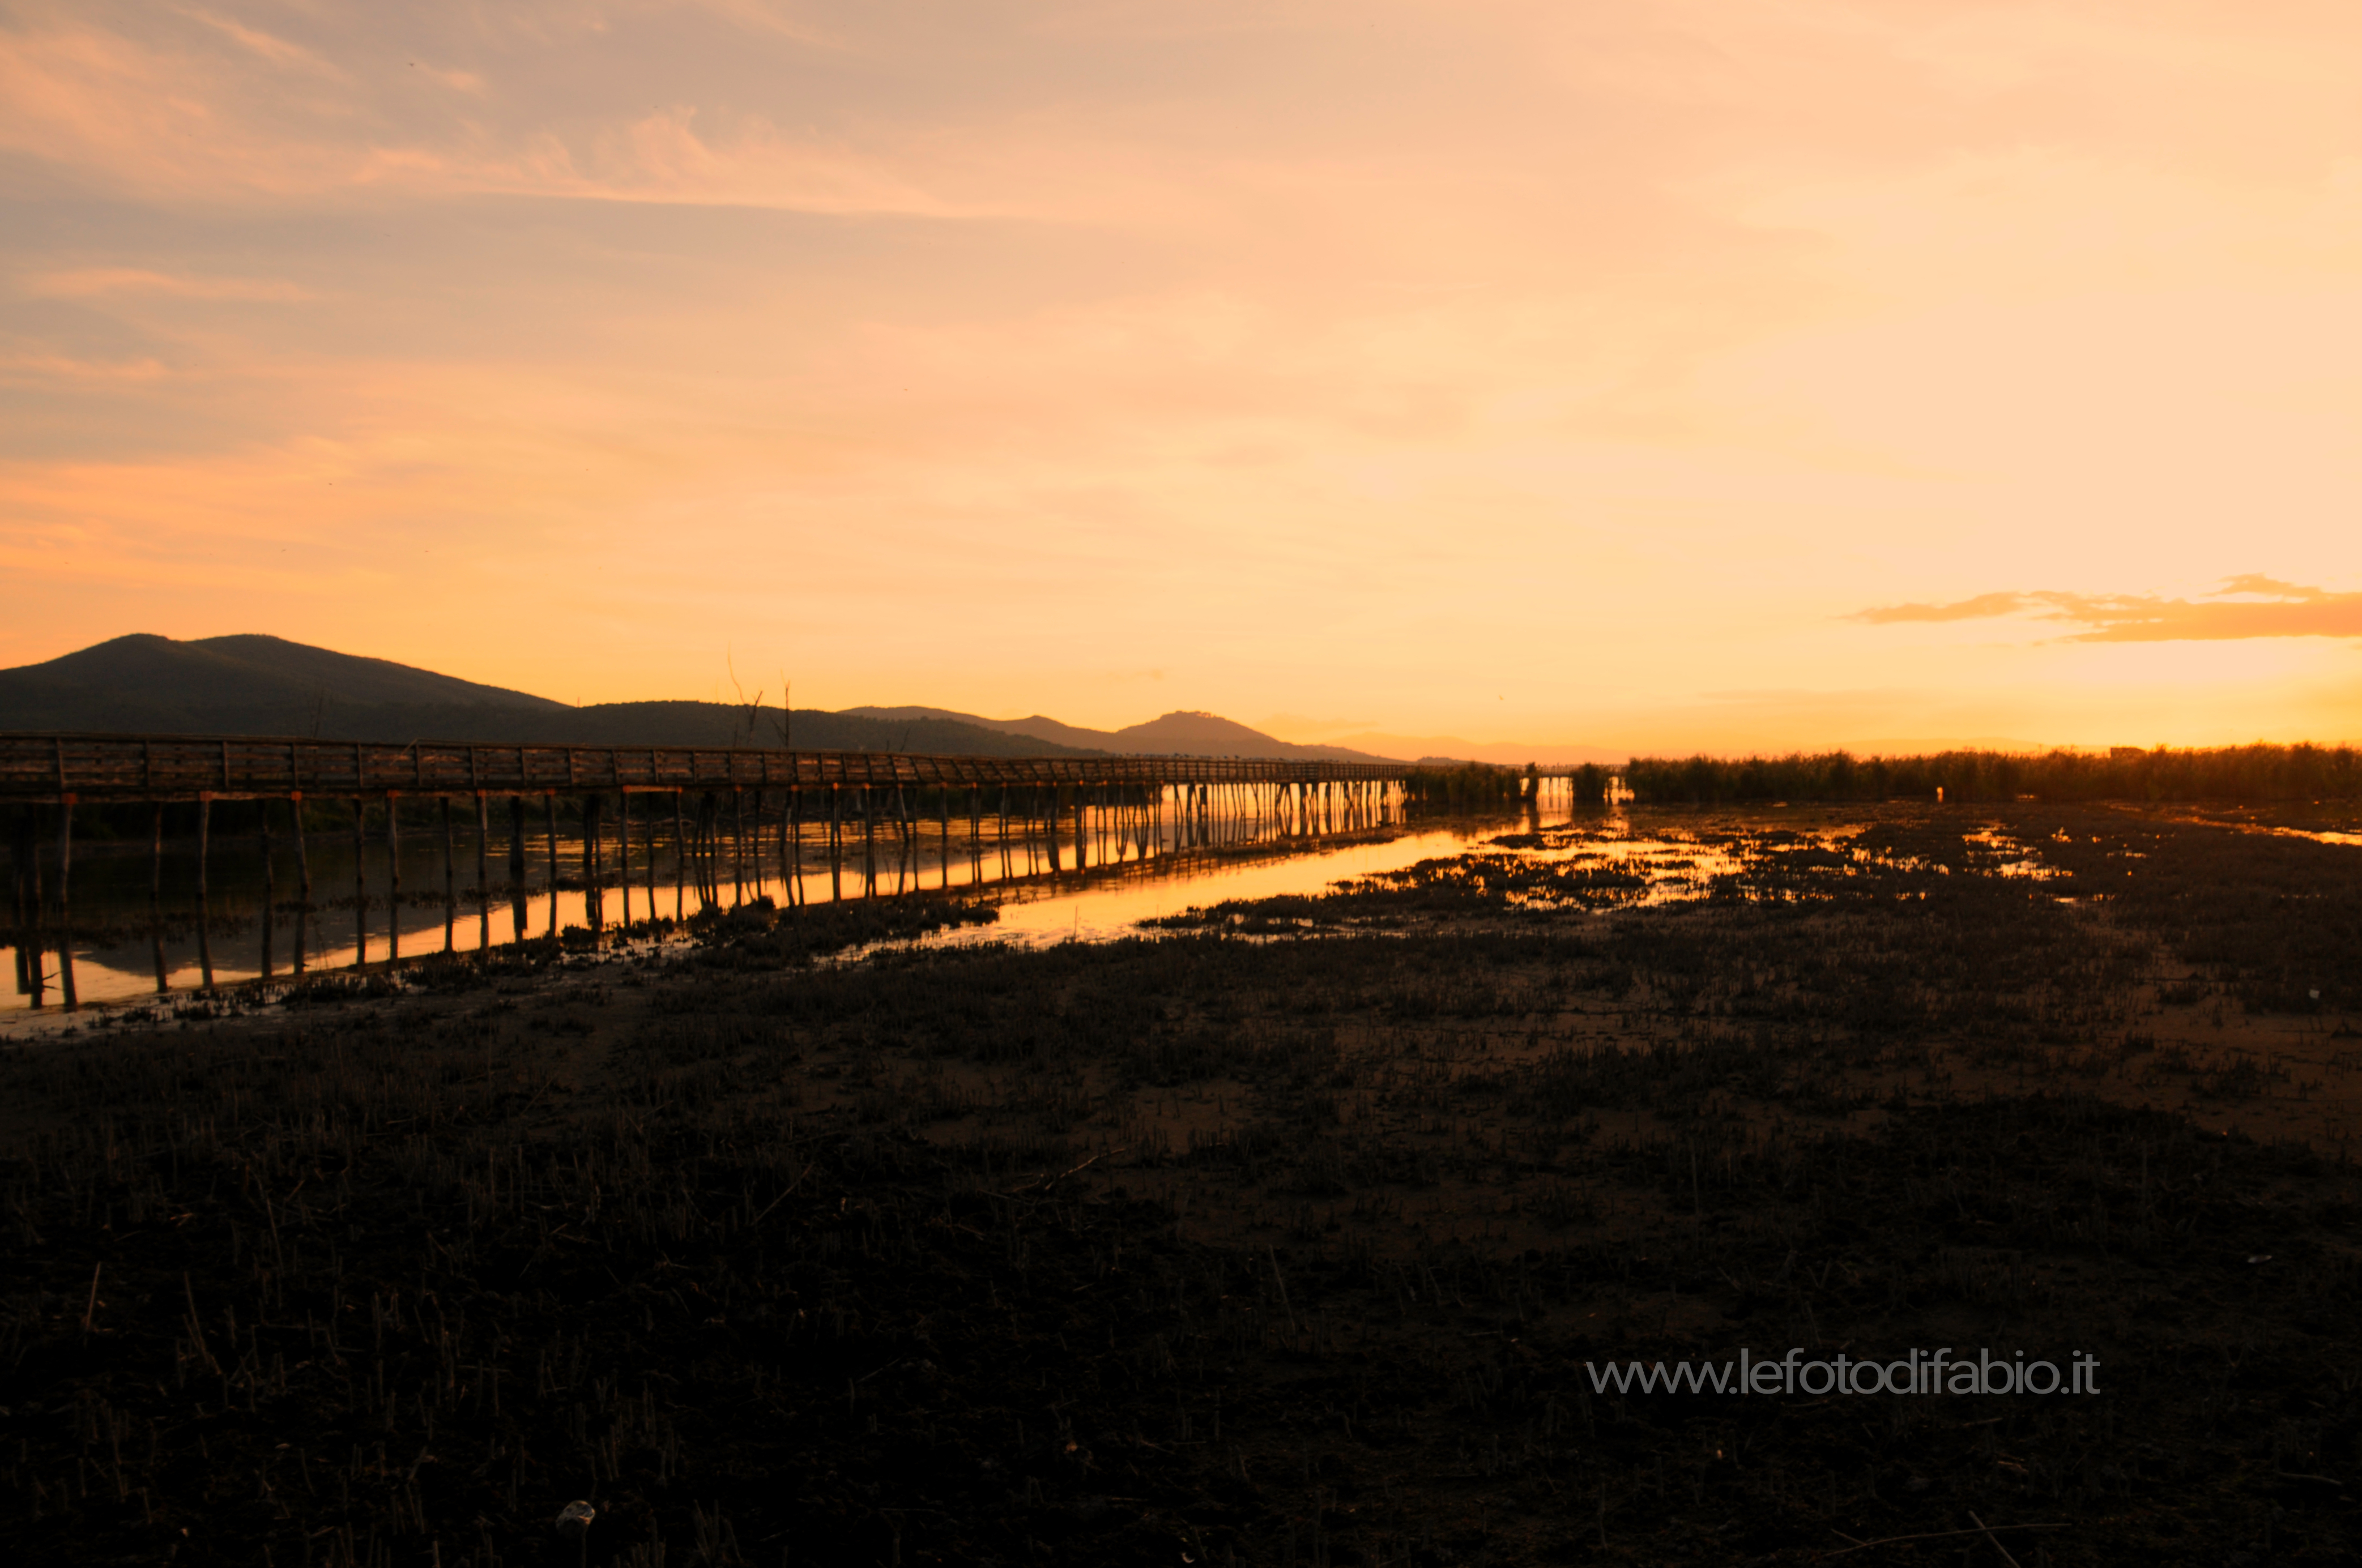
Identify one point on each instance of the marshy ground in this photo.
(1283, 1237)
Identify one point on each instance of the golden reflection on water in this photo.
(1137, 874)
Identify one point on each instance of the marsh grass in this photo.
(1264, 1250)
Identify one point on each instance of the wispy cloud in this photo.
(94, 283)
(2247, 606)
(230, 112)
(38, 368)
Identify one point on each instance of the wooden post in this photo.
(393, 878)
(65, 913)
(156, 859)
(36, 905)
(681, 856)
(624, 861)
(868, 842)
(737, 848)
(549, 817)
(450, 881)
(594, 912)
(302, 855)
(623, 867)
(204, 902)
(270, 884)
(16, 904)
(943, 838)
(975, 835)
(792, 830)
(360, 882)
(520, 909)
(905, 863)
(835, 843)
(303, 883)
(484, 875)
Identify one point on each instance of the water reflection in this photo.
(164, 916)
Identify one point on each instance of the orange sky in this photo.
(1679, 373)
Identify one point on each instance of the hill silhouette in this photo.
(267, 685)
(1180, 734)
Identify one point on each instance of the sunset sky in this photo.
(1660, 374)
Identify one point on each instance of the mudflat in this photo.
(1317, 1230)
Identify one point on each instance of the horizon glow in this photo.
(1730, 377)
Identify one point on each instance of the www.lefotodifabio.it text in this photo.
(1920, 1372)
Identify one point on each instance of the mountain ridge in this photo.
(255, 684)
(1181, 733)
(252, 684)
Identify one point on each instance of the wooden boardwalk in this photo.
(61, 769)
(848, 799)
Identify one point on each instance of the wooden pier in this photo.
(843, 798)
(59, 768)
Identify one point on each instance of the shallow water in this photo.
(129, 948)
(1140, 868)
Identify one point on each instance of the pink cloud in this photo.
(2247, 605)
(94, 283)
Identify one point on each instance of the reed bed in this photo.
(1280, 1239)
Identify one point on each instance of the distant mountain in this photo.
(153, 683)
(1506, 753)
(1174, 735)
(1038, 727)
(266, 685)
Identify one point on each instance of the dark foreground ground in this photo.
(1283, 1239)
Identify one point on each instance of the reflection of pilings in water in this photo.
(1121, 810)
(517, 910)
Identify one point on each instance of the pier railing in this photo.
(57, 768)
